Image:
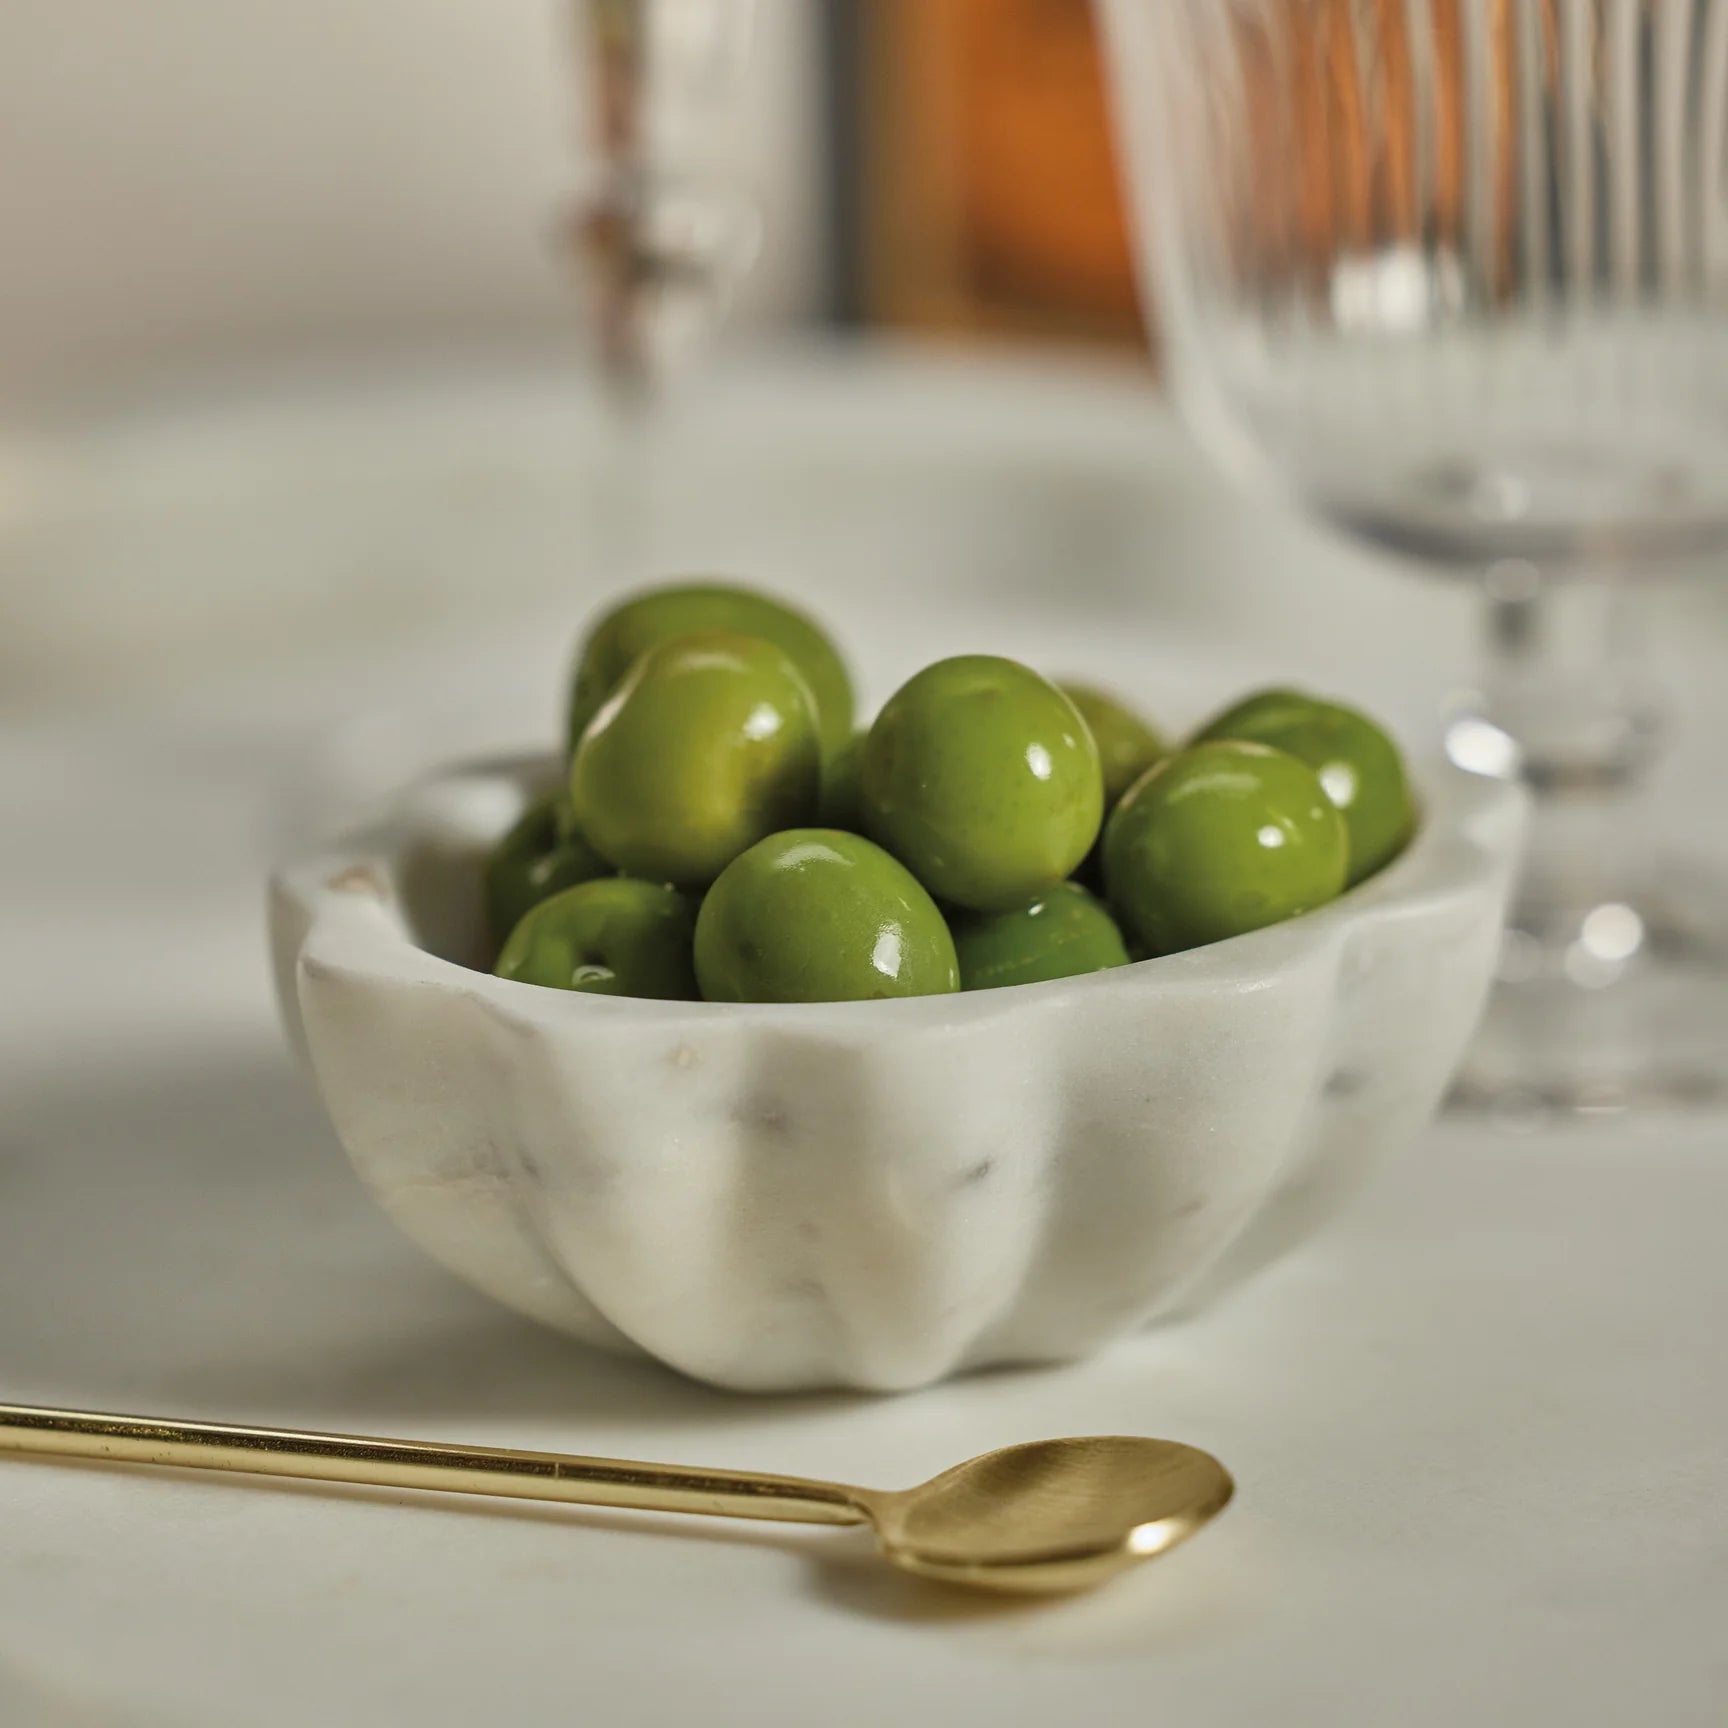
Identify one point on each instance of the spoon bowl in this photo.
(1051, 1515)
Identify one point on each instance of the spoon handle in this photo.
(426, 1464)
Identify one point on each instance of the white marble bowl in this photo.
(873, 1194)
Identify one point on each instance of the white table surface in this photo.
(1480, 1431)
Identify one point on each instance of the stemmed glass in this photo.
(662, 235)
(665, 230)
(1453, 274)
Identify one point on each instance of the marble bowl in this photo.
(873, 1194)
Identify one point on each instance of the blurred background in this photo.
(189, 187)
(295, 359)
(299, 397)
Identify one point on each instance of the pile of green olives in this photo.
(723, 831)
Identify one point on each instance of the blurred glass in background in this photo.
(1452, 276)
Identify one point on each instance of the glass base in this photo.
(1624, 1006)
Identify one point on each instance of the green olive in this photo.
(816, 915)
(981, 777)
(1127, 744)
(1361, 768)
(707, 746)
(1256, 709)
(540, 855)
(645, 620)
(840, 803)
(611, 937)
(1218, 840)
(1059, 934)
(1127, 747)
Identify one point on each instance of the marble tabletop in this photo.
(1480, 1430)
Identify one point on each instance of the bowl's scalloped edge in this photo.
(877, 1194)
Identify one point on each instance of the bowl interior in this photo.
(439, 871)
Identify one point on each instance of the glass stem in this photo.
(1566, 704)
(666, 229)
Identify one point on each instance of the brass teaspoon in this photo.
(1051, 1515)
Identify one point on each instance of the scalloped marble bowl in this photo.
(873, 1194)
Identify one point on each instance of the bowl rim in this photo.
(339, 911)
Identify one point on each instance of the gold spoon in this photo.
(1051, 1515)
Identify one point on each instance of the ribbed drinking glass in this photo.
(1453, 275)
